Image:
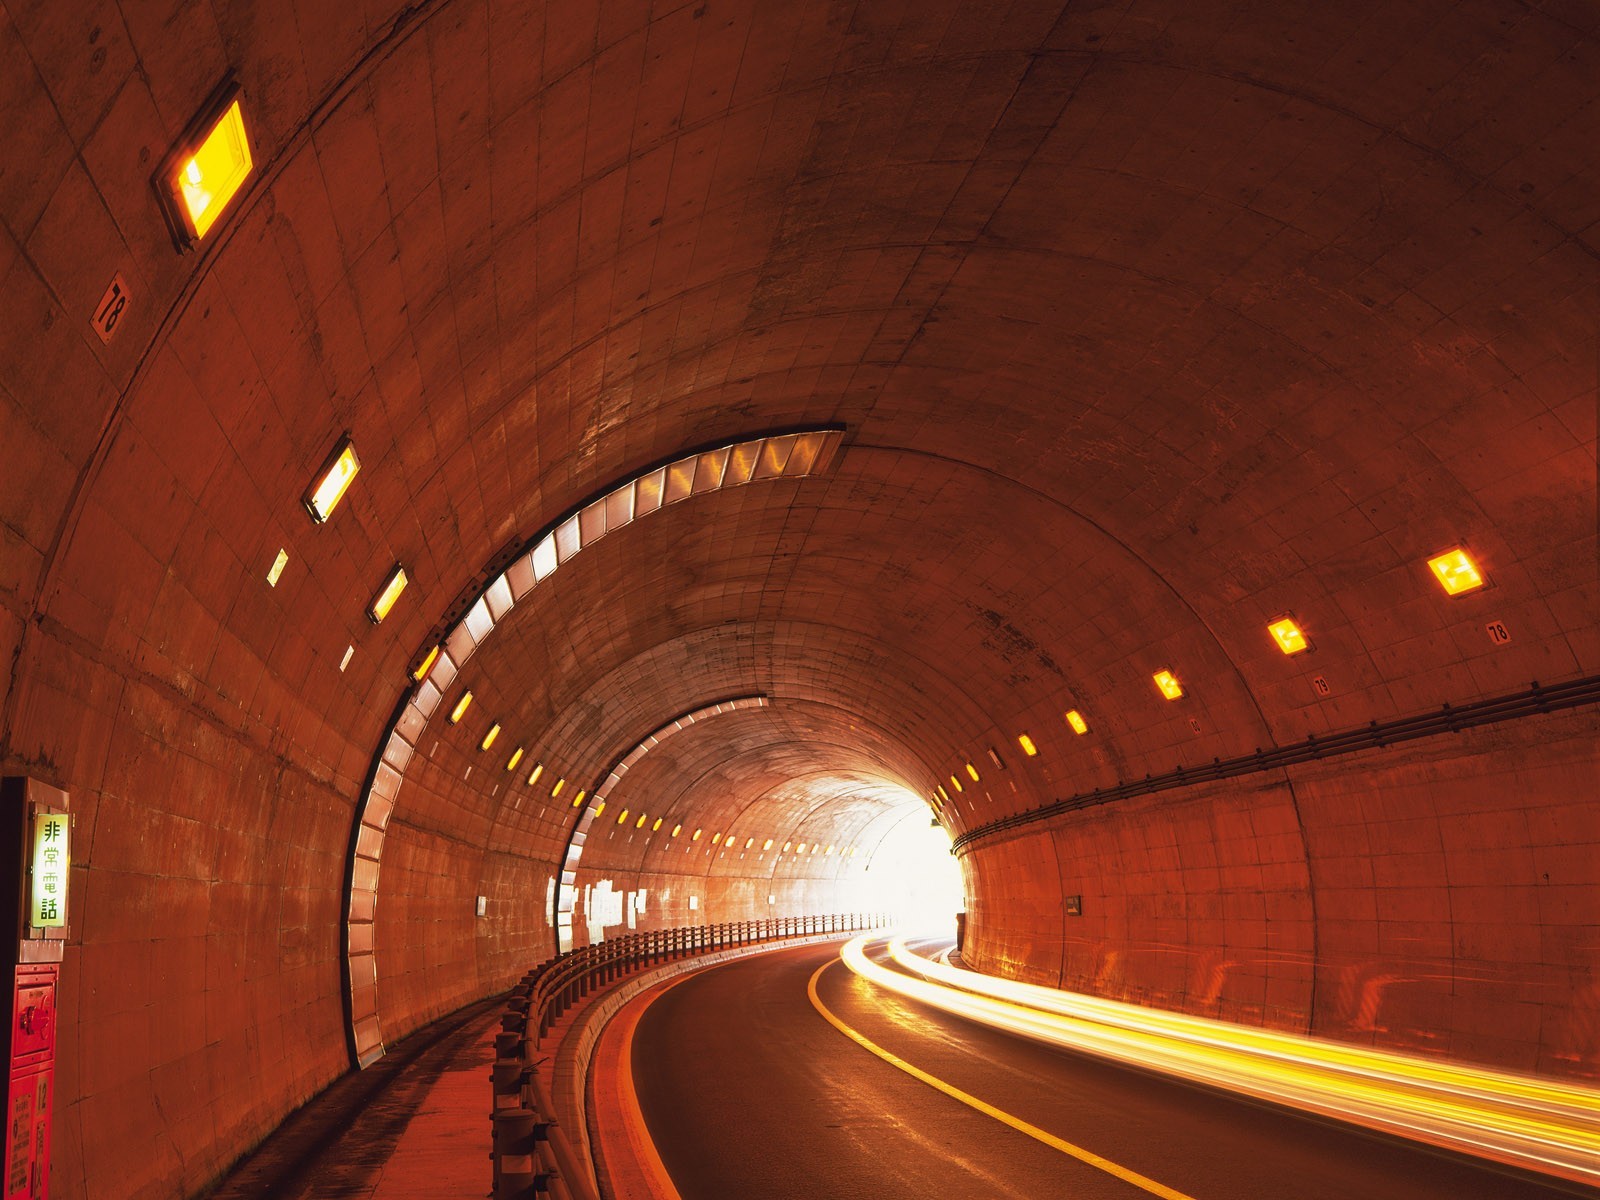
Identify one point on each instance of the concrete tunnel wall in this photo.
(1146, 323)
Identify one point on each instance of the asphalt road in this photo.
(749, 1093)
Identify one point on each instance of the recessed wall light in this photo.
(1027, 745)
(488, 738)
(1288, 635)
(387, 595)
(278, 564)
(639, 824)
(425, 665)
(767, 845)
(973, 771)
(516, 757)
(1456, 572)
(559, 784)
(622, 816)
(349, 653)
(577, 801)
(1075, 719)
(676, 830)
(460, 710)
(533, 775)
(1168, 684)
(955, 782)
(202, 174)
(657, 824)
(332, 481)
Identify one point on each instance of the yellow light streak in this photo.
(1519, 1120)
(1143, 1182)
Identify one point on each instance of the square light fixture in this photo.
(1075, 719)
(201, 175)
(1169, 685)
(387, 595)
(1027, 745)
(1288, 635)
(1456, 572)
(338, 471)
(460, 710)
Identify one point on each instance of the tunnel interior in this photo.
(798, 425)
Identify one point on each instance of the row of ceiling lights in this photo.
(1455, 571)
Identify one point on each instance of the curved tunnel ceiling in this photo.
(1145, 324)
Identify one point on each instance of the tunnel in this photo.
(1153, 442)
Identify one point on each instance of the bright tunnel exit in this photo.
(914, 877)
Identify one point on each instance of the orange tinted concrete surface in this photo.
(1145, 324)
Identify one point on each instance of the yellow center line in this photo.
(1049, 1139)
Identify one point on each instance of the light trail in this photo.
(1535, 1124)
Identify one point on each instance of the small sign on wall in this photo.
(47, 904)
(1074, 905)
(108, 313)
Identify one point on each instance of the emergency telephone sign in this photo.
(51, 857)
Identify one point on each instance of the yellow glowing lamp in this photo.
(639, 824)
(488, 738)
(657, 824)
(516, 757)
(944, 796)
(1456, 572)
(748, 842)
(622, 816)
(1027, 745)
(533, 775)
(956, 783)
(460, 710)
(1288, 635)
(559, 784)
(577, 801)
(767, 845)
(1168, 683)
(697, 834)
(1075, 719)
(676, 830)
(331, 483)
(426, 664)
(203, 174)
(387, 595)
(973, 771)
(716, 839)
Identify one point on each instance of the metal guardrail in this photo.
(1534, 700)
(533, 1157)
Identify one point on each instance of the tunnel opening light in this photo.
(559, 784)
(973, 771)
(622, 816)
(384, 601)
(639, 824)
(488, 738)
(278, 564)
(332, 481)
(956, 783)
(1168, 684)
(657, 824)
(460, 710)
(1076, 721)
(1027, 745)
(425, 665)
(676, 830)
(577, 801)
(200, 177)
(516, 757)
(1456, 572)
(1288, 635)
(533, 775)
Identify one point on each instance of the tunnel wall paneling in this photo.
(1437, 898)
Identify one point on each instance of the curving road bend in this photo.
(747, 1091)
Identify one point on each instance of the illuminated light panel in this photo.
(972, 771)
(639, 824)
(1288, 636)
(488, 738)
(533, 775)
(384, 601)
(801, 848)
(516, 757)
(278, 564)
(425, 665)
(332, 481)
(1534, 1123)
(748, 842)
(944, 796)
(1168, 684)
(559, 784)
(600, 807)
(577, 801)
(697, 834)
(657, 825)
(767, 845)
(203, 176)
(716, 839)
(676, 830)
(622, 816)
(460, 710)
(956, 783)
(1027, 745)
(1075, 719)
(1456, 572)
